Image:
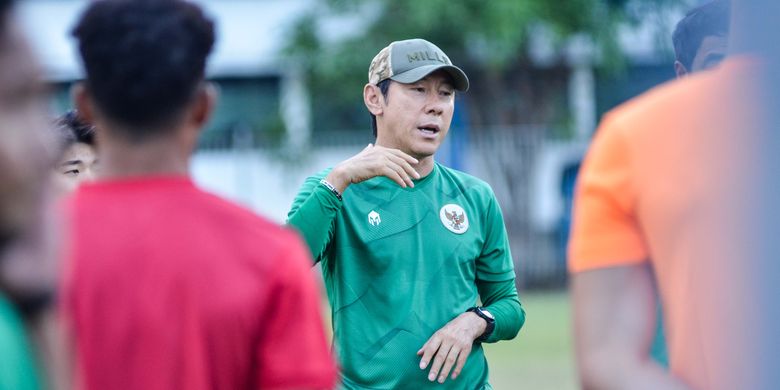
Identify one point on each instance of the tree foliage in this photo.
(489, 39)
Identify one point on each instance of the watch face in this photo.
(487, 313)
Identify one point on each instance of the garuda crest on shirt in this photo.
(454, 218)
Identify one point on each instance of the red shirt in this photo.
(169, 287)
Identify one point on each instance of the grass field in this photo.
(541, 356)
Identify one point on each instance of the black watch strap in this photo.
(491, 322)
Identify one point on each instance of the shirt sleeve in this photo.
(495, 261)
(495, 277)
(605, 231)
(293, 352)
(501, 300)
(313, 214)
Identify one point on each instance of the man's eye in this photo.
(72, 172)
(713, 61)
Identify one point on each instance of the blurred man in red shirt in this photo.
(169, 287)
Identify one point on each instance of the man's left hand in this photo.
(451, 345)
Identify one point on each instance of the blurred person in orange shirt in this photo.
(672, 195)
(700, 42)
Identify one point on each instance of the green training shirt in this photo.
(18, 369)
(399, 263)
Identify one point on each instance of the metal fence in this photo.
(510, 159)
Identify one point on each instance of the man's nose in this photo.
(434, 105)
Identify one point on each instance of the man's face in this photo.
(711, 52)
(417, 116)
(26, 148)
(76, 165)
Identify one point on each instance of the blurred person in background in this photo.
(167, 286)
(79, 156)
(700, 43)
(407, 245)
(679, 191)
(700, 39)
(26, 154)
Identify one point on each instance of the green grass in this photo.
(541, 356)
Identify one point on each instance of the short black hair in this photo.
(709, 19)
(144, 60)
(384, 86)
(72, 129)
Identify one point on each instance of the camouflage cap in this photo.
(410, 60)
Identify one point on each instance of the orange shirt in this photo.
(665, 181)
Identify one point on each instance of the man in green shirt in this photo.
(410, 247)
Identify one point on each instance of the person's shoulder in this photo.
(252, 237)
(312, 180)
(225, 207)
(229, 214)
(468, 184)
(320, 175)
(247, 228)
(87, 200)
(679, 96)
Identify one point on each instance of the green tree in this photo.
(489, 39)
(492, 41)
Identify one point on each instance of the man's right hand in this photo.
(371, 162)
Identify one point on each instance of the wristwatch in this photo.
(491, 321)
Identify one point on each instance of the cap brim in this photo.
(414, 75)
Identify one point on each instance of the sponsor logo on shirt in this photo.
(373, 218)
(454, 218)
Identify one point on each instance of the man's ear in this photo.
(83, 102)
(204, 103)
(680, 70)
(373, 99)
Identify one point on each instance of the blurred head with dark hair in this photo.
(72, 128)
(145, 64)
(701, 38)
(26, 150)
(78, 158)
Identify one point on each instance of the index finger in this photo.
(395, 176)
(427, 350)
(408, 169)
(408, 158)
